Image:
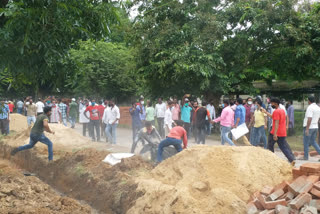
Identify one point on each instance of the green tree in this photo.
(102, 69)
(36, 35)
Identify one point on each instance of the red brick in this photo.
(306, 188)
(296, 172)
(308, 210)
(251, 208)
(281, 209)
(284, 186)
(258, 204)
(267, 190)
(313, 178)
(262, 200)
(267, 212)
(313, 153)
(274, 196)
(296, 153)
(300, 201)
(299, 185)
(317, 185)
(289, 196)
(310, 167)
(272, 204)
(315, 203)
(315, 192)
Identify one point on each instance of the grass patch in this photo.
(80, 170)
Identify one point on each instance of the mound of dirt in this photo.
(18, 122)
(207, 179)
(20, 194)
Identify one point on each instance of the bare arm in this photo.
(46, 127)
(276, 127)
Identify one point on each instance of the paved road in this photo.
(124, 142)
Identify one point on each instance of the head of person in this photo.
(175, 101)
(39, 99)
(258, 103)
(141, 101)
(179, 123)
(225, 103)
(211, 102)
(111, 103)
(30, 101)
(186, 102)
(204, 103)
(160, 100)
(93, 102)
(148, 101)
(148, 126)
(268, 100)
(100, 102)
(283, 101)
(275, 102)
(53, 102)
(73, 99)
(231, 102)
(60, 100)
(106, 102)
(170, 105)
(149, 104)
(133, 104)
(195, 104)
(290, 102)
(239, 101)
(311, 99)
(47, 110)
(249, 101)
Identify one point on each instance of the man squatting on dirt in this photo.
(37, 134)
(174, 138)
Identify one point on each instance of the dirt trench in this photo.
(83, 176)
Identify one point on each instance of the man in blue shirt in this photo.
(136, 120)
(4, 118)
(240, 118)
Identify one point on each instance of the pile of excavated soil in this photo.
(207, 179)
(18, 122)
(21, 194)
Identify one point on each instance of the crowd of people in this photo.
(173, 122)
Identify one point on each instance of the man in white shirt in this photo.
(40, 106)
(168, 121)
(310, 127)
(212, 111)
(160, 110)
(111, 118)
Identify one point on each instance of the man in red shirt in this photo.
(94, 119)
(279, 130)
(174, 138)
(11, 106)
(101, 109)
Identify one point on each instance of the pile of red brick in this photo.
(300, 196)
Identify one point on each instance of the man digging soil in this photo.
(37, 134)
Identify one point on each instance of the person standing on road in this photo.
(160, 110)
(20, 107)
(11, 106)
(290, 111)
(240, 118)
(63, 112)
(101, 109)
(55, 112)
(211, 109)
(168, 118)
(73, 110)
(84, 119)
(36, 135)
(142, 110)
(279, 130)
(310, 127)
(226, 122)
(111, 117)
(94, 120)
(136, 121)
(201, 116)
(186, 115)
(40, 107)
(150, 113)
(174, 138)
(4, 118)
(194, 118)
(175, 110)
(259, 120)
(31, 111)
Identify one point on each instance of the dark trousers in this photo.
(201, 134)
(85, 127)
(195, 131)
(160, 121)
(283, 145)
(95, 124)
(4, 124)
(187, 126)
(208, 127)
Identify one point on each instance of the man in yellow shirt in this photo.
(259, 120)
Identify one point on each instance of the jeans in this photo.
(201, 134)
(310, 140)
(283, 145)
(4, 126)
(31, 119)
(85, 126)
(187, 126)
(73, 121)
(111, 132)
(34, 138)
(135, 130)
(95, 124)
(225, 131)
(64, 121)
(167, 142)
(19, 110)
(160, 121)
(208, 127)
(259, 133)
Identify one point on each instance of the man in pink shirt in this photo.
(176, 110)
(174, 138)
(226, 121)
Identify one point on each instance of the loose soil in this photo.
(21, 194)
